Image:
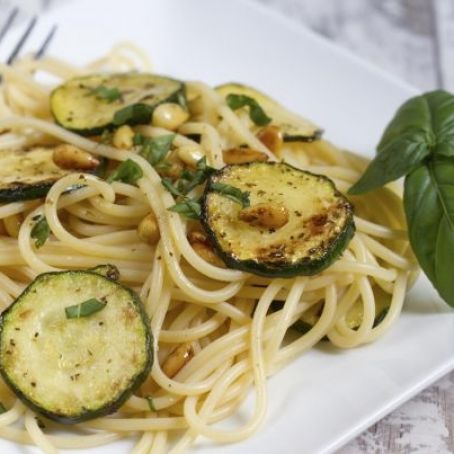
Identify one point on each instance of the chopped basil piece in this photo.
(127, 172)
(174, 190)
(188, 208)
(150, 403)
(84, 309)
(104, 93)
(2, 408)
(155, 149)
(138, 139)
(135, 113)
(40, 231)
(232, 193)
(256, 113)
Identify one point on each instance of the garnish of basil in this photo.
(256, 113)
(188, 208)
(133, 114)
(150, 403)
(85, 309)
(190, 179)
(127, 172)
(40, 231)
(104, 93)
(155, 149)
(232, 193)
(418, 144)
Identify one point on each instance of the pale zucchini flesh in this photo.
(27, 174)
(72, 370)
(293, 127)
(320, 220)
(76, 106)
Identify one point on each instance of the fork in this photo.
(24, 37)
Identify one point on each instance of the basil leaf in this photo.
(256, 113)
(167, 183)
(422, 126)
(155, 149)
(133, 114)
(106, 94)
(84, 309)
(232, 193)
(138, 139)
(150, 403)
(429, 207)
(188, 208)
(395, 160)
(40, 231)
(2, 408)
(127, 172)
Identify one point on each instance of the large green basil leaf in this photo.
(395, 160)
(429, 207)
(422, 126)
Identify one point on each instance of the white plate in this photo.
(326, 397)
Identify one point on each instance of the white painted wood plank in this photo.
(444, 10)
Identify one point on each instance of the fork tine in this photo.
(42, 50)
(22, 41)
(9, 21)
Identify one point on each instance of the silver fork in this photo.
(24, 37)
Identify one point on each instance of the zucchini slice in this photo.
(318, 227)
(89, 104)
(293, 127)
(75, 345)
(29, 174)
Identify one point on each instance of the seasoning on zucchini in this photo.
(75, 345)
(293, 127)
(297, 222)
(90, 104)
(30, 173)
(27, 174)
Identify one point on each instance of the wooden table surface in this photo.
(413, 39)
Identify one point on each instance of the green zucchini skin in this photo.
(29, 174)
(306, 266)
(108, 407)
(142, 109)
(25, 192)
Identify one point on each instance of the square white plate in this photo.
(326, 397)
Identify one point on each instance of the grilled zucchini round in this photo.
(297, 222)
(293, 127)
(89, 104)
(75, 345)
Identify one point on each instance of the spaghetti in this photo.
(218, 332)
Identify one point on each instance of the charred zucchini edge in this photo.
(306, 268)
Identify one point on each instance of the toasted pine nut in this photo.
(123, 137)
(243, 156)
(271, 137)
(207, 253)
(169, 116)
(148, 229)
(68, 156)
(269, 215)
(177, 359)
(190, 154)
(12, 224)
(196, 236)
